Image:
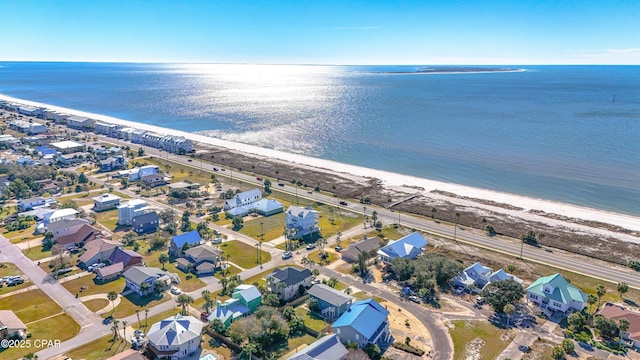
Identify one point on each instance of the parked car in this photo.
(175, 290)
(216, 241)
(189, 160)
(480, 300)
(415, 299)
(338, 248)
(259, 178)
(311, 246)
(215, 169)
(287, 255)
(280, 184)
(343, 203)
(460, 290)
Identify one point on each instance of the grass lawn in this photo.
(19, 235)
(343, 221)
(231, 270)
(99, 349)
(315, 256)
(108, 218)
(222, 220)
(96, 304)
(210, 343)
(312, 321)
(153, 319)
(242, 254)
(361, 295)
(31, 305)
(36, 253)
(7, 269)
(93, 287)
(272, 226)
(60, 327)
(198, 304)
(131, 302)
(466, 331)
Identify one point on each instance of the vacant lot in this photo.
(476, 340)
(242, 254)
(31, 305)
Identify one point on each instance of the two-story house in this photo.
(301, 221)
(366, 322)
(242, 199)
(477, 276)
(175, 338)
(106, 201)
(286, 282)
(554, 293)
(136, 276)
(183, 241)
(331, 302)
(245, 301)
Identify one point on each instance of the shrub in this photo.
(408, 348)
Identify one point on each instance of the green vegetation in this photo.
(242, 254)
(311, 320)
(466, 331)
(87, 286)
(272, 225)
(60, 327)
(96, 304)
(37, 253)
(131, 302)
(31, 305)
(99, 349)
(108, 219)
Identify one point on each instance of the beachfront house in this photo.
(408, 247)
(554, 294)
(477, 276)
(242, 199)
(264, 207)
(301, 221)
(366, 322)
(104, 128)
(331, 302)
(80, 122)
(174, 338)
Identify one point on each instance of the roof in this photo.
(67, 144)
(175, 331)
(404, 246)
(365, 245)
(501, 275)
(9, 319)
(191, 238)
(562, 290)
(133, 203)
(61, 213)
(290, 275)
(138, 274)
(65, 223)
(231, 308)
(268, 205)
(94, 247)
(31, 200)
(129, 354)
(113, 269)
(616, 312)
(106, 197)
(328, 347)
(300, 211)
(183, 262)
(123, 256)
(364, 316)
(249, 194)
(202, 251)
(145, 218)
(329, 294)
(81, 234)
(247, 292)
(205, 266)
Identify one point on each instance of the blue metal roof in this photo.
(364, 316)
(191, 238)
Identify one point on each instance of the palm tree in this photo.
(144, 287)
(623, 326)
(206, 295)
(509, 309)
(114, 327)
(112, 296)
(184, 300)
(146, 314)
(592, 300)
(250, 349)
(338, 235)
(600, 291)
(622, 288)
(124, 329)
(163, 258)
(138, 315)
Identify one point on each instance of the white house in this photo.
(301, 221)
(554, 293)
(408, 247)
(131, 209)
(477, 276)
(68, 146)
(176, 337)
(286, 282)
(80, 122)
(30, 203)
(242, 199)
(105, 202)
(136, 276)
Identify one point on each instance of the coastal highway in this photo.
(576, 264)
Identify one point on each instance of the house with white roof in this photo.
(105, 128)
(554, 293)
(68, 146)
(264, 207)
(176, 337)
(408, 247)
(106, 202)
(301, 221)
(242, 199)
(31, 203)
(132, 208)
(477, 276)
(80, 122)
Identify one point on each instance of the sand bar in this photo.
(389, 179)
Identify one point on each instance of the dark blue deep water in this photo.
(564, 133)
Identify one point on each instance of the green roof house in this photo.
(249, 295)
(553, 293)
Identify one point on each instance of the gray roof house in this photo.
(331, 302)
(205, 259)
(145, 223)
(370, 245)
(135, 276)
(328, 347)
(176, 337)
(286, 282)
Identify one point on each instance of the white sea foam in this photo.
(389, 178)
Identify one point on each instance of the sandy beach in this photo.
(398, 182)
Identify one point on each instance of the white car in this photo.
(217, 241)
(460, 290)
(175, 290)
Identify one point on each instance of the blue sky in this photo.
(323, 31)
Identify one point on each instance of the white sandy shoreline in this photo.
(389, 179)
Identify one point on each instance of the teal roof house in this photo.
(553, 293)
(249, 295)
(245, 300)
(366, 322)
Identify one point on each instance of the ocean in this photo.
(562, 133)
